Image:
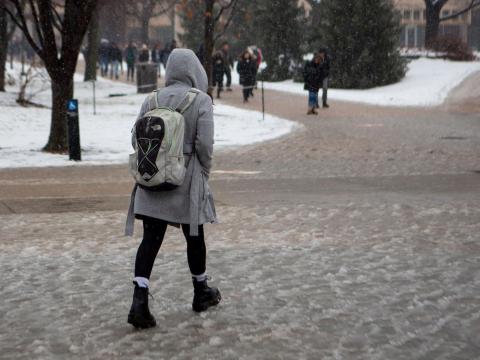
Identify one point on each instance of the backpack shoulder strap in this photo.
(187, 100)
(155, 97)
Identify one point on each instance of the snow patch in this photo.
(427, 83)
(105, 137)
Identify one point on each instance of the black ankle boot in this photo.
(204, 296)
(139, 315)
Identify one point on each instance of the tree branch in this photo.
(226, 7)
(19, 20)
(57, 19)
(49, 41)
(36, 21)
(166, 9)
(229, 20)
(473, 4)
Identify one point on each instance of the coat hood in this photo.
(184, 67)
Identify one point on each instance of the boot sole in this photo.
(204, 306)
(140, 322)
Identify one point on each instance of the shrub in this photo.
(453, 48)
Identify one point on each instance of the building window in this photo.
(416, 15)
(407, 14)
(445, 13)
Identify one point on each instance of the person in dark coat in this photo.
(228, 64)
(247, 70)
(168, 50)
(313, 77)
(144, 55)
(201, 54)
(218, 71)
(131, 54)
(326, 74)
(103, 55)
(116, 58)
(157, 55)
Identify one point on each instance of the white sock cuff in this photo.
(142, 282)
(201, 277)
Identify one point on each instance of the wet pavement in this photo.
(356, 237)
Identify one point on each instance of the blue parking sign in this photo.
(72, 105)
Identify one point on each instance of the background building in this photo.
(413, 18)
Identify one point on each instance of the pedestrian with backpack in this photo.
(173, 142)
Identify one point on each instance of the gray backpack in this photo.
(158, 163)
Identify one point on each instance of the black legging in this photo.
(153, 234)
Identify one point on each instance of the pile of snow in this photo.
(105, 137)
(427, 83)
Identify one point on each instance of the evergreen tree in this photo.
(243, 31)
(278, 23)
(363, 38)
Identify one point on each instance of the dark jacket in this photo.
(313, 76)
(326, 66)
(131, 54)
(115, 54)
(228, 58)
(103, 51)
(144, 56)
(247, 70)
(218, 67)
(157, 55)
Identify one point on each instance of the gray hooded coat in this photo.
(192, 202)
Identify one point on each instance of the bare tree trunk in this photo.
(145, 24)
(3, 47)
(432, 24)
(91, 56)
(62, 91)
(209, 43)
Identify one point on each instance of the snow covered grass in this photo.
(105, 137)
(427, 83)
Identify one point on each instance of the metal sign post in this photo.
(94, 99)
(263, 101)
(73, 130)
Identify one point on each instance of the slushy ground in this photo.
(367, 279)
(356, 237)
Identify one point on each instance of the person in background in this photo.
(116, 58)
(167, 51)
(131, 58)
(201, 53)
(144, 54)
(157, 54)
(313, 78)
(104, 56)
(218, 71)
(247, 70)
(228, 59)
(326, 74)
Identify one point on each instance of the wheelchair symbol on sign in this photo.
(72, 105)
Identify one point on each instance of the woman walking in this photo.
(189, 205)
(218, 71)
(313, 77)
(247, 70)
